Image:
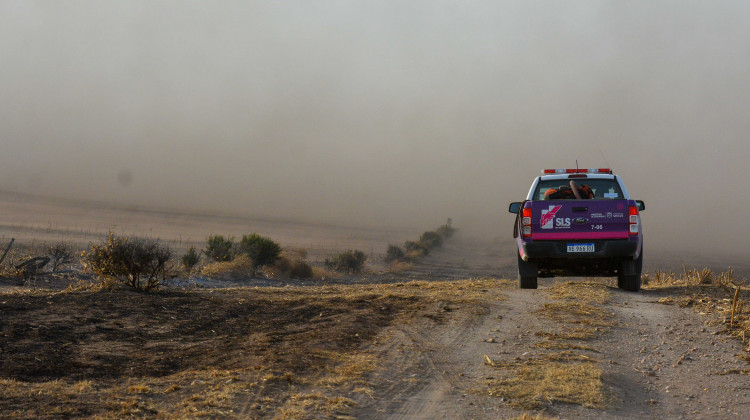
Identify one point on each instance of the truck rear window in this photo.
(560, 189)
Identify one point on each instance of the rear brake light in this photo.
(526, 223)
(635, 220)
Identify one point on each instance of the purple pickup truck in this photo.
(579, 222)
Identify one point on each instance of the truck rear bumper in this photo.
(602, 249)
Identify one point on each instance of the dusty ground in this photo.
(447, 338)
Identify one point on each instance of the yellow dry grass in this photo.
(590, 292)
(400, 266)
(241, 266)
(349, 368)
(565, 375)
(719, 295)
(300, 406)
(537, 384)
(540, 416)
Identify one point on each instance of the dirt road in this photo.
(656, 360)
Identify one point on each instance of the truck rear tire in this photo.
(527, 274)
(631, 283)
(527, 282)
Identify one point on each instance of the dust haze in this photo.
(382, 113)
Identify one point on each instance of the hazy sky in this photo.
(397, 113)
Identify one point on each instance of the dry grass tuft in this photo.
(581, 313)
(322, 274)
(596, 293)
(691, 277)
(349, 368)
(241, 266)
(303, 405)
(564, 345)
(540, 416)
(139, 389)
(581, 304)
(537, 384)
(567, 375)
(400, 266)
(570, 333)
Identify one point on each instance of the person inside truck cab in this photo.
(569, 192)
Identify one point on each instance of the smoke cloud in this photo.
(382, 113)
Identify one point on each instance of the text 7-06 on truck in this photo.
(579, 222)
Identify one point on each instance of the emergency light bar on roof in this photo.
(578, 171)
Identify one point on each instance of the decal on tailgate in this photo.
(548, 216)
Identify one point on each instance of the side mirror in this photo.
(515, 207)
(641, 205)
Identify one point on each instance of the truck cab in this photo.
(579, 222)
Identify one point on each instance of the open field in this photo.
(446, 337)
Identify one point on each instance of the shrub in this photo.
(136, 262)
(446, 231)
(263, 251)
(415, 249)
(431, 240)
(220, 249)
(349, 261)
(283, 264)
(60, 254)
(394, 254)
(300, 270)
(190, 259)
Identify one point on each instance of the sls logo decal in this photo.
(548, 216)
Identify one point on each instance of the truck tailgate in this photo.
(580, 219)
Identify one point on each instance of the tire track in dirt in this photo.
(438, 369)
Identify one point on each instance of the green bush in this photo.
(136, 262)
(263, 251)
(431, 240)
(220, 249)
(351, 261)
(190, 259)
(393, 254)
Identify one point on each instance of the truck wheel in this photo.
(527, 282)
(631, 283)
(527, 274)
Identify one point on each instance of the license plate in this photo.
(580, 247)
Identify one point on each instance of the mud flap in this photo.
(629, 268)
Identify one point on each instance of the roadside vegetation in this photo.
(26, 262)
(351, 261)
(140, 263)
(719, 295)
(253, 255)
(402, 258)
